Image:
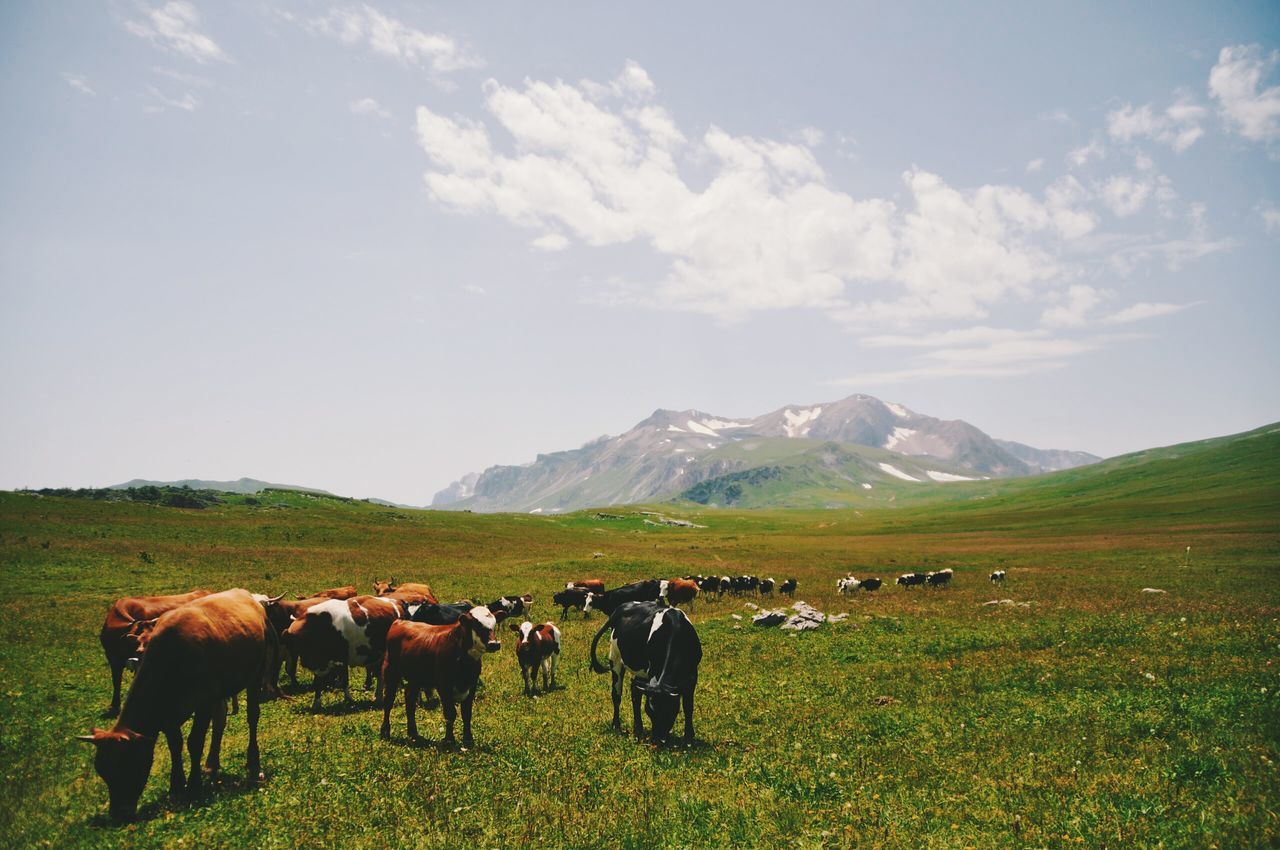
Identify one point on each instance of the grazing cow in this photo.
(766, 586)
(788, 588)
(200, 655)
(745, 584)
(537, 648)
(595, 585)
(709, 585)
(678, 590)
(639, 591)
(661, 650)
(438, 615)
(341, 633)
(409, 593)
(511, 606)
(847, 585)
(871, 584)
(726, 586)
(998, 575)
(572, 597)
(334, 593)
(939, 578)
(911, 579)
(120, 632)
(445, 659)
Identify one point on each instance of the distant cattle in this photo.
(678, 591)
(408, 593)
(726, 585)
(537, 650)
(346, 592)
(847, 585)
(788, 588)
(709, 585)
(911, 579)
(594, 585)
(998, 575)
(511, 606)
(640, 591)
(200, 654)
(338, 634)
(445, 659)
(572, 597)
(766, 586)
(941, 578)
(661, 650)
(871, 584)
(121, 630)
(745, 584)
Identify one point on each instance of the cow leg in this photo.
(252, 701)
(467, 740)
(368, 678)
(411, 692)
(637, 725)
(687, 699)
(235, 703)
(524, 674)
(555, 662)
(450, 714)
(317, 684)
(346, 685)
(214, 761)
(195, 747)
(391, 681)
(177, 780)
(291, 666)
(616, 693)
(117, 672)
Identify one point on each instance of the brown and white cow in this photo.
(337, 634)
(678, 591)
(595, 585)
(537, 649)
(445, 659)
(199, 655)
(121, 630)
(346, 592)
(408, 593)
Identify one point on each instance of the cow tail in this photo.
(595, 664)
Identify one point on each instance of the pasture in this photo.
(1095, 715)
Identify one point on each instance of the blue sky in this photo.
(372, 247)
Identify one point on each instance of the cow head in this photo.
(123, 760)
(315, 639)
(586, 606)
(381, 587)
(481, 626)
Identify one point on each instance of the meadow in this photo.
(1091, 715)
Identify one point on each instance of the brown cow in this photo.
(679, 590)
(333, 593)
(595, 585)
(445, 659)
(119, 635)
(341, 633)
(281, 613)
(199, 655)
(537, 648)
(409, 593)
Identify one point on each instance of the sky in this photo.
(372, 247)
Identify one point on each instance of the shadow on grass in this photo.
(219, 786)
(337, 709)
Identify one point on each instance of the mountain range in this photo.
(840, 453)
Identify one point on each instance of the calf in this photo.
(572, 597)
(445, 659)
(337, 634)
(788, 588)
(661, 650)
(200, 655)
(120, 632)
(871, 584)
(594, 585)
(847, 585)
(678, 590)
(998, 575)
(911, 579)
(334, 593)
(537, 648)
(940, 578)
(640, 591)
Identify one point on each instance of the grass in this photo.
(1099, 716)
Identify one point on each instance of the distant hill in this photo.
(672, 452)
(246, 486)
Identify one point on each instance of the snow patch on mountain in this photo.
(798, 424)
(899, 434)
(947, 476)
(897, 409)
(897, 473)
(699, 428)
(722, 424)
(676, 428)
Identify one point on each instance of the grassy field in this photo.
(1093, 715)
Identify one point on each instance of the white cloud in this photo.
(1177, 126)
(1270, 216)
(78, 83)
(474, 289)
(1079, 300)
(1144, 310)
(979, 334)
(173, 27)
(1004, 355)
(550, 242)
(1081, 156)
(366, 27)
(1234, 82)
(810, 136)
(187, 102)
(369, 106)
(1035, 166)
(1125, 194)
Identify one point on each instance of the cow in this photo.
(678, 590)
(572, 597)
(788, 588)
(911, 579)
(661, 650)
(445, 659)
(639, 591)
(847, 585)
(409, 593)
(767, 585)
(200, 654)
(346, 592)
(726, 586)
(281, 613)
(940, 578)
(745, 584)
(594, 585)
(120, 632)
(998, 575)
(511, 606)
(537, 649)
(337, 634)
(709, 585)
(438, 615)
(871, 584)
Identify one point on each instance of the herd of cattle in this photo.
(194, 652)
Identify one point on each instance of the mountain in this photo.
(241, 485)
(834, 447)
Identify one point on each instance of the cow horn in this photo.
(88, 739)
(271, 600)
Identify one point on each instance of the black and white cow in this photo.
(709, 585)
(847, 585)
(572, 597)
(640, 591)
(998, 575)
(766, 586)
(788, 588)
(661, 650)
(911, 579)
(438, 615)
(871, 584)
(941, 578)
(726, 586)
